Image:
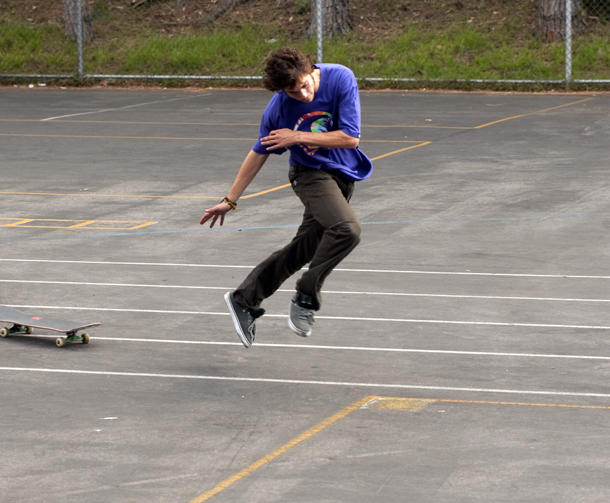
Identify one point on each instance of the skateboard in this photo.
(24, 323)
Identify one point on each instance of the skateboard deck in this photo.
(24, 323)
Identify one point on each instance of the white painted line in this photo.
(297, 381)
(357, 348)
(123, 108)
(383, 271)
(88, 283)
(120, 310)
(346, 318)
(468, 273)
(156, 264)
(339, 348)
(337, 292)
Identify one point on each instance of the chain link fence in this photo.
(591, 24)
(391, 43)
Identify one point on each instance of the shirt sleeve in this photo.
(349, 104)
(269, 122)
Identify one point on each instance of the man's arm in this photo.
(249, 169)
(283, 138)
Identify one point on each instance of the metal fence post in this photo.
(568, 37)
(79, 37)
(320, 30)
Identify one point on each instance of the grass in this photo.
(500, 47)
(24, 49)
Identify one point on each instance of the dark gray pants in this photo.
(330, 230)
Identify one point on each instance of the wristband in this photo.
(230, 203)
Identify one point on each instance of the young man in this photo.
(315, 115)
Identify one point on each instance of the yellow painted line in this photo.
(532, 113)
(163, 138)
(379, 399)
(418, 127)
(123, 137)
(390, 141)
(401, 150)
(106, 195)
(19, 222)
(278, 452)
(402, 404)
(256, 124)
(196, 197)
(75, 226)
(154, 123)
(222, 123)
(135, 122)
(526, 404)
(81, 224)
(373, 159)
(63, 227)
(136, 196)
(266, 191)
(376, 402)
(145, 224)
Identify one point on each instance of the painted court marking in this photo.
(273, 189)
(329, 292)
(142, 196)
(343, 384)
(378, 402)
(256, 124)
(51, 223)
(420, 144)
(229, 266)
(532, 113)
(342, 318)
(126, 107)
(112, 137)
(301, 347)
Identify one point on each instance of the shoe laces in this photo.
(306, 315)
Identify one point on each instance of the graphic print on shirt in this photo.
(316, 122)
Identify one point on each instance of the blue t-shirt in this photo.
(336, 106)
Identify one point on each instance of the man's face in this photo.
(304, 89)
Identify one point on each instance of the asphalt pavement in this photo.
(461, 353)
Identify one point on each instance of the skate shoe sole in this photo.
(236, 322)
(298, 331)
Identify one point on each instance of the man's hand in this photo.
(218, 211)
(249, 168)
(280, 138)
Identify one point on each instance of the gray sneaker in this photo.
(244, 319)
(301, 319)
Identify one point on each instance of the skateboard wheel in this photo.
(4, 332)
(85, 337)
(60, 342)
(28, 330)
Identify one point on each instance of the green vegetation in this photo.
(426, 50)
(24, 49)
(460, 53)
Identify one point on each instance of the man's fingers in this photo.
(211, 215)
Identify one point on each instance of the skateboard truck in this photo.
(60, 342)
(15, 329)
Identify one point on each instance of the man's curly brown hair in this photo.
(284, 69)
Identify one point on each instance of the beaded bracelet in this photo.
(230, 203)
